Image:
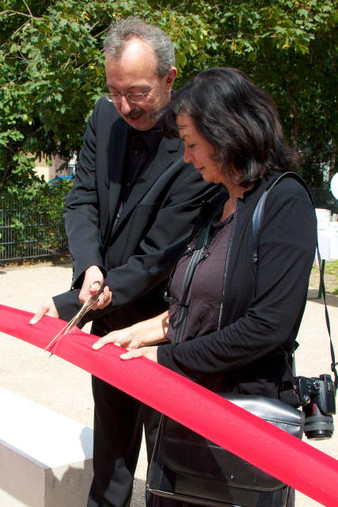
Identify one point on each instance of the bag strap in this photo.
(257, 217)
(210, 209)
(257, 220)
(198, 254)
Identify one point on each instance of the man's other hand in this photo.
(47, 308)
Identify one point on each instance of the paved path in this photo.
(66, 389)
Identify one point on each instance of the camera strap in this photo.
(322, 286)
(257, 220)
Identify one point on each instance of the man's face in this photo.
(134, 72)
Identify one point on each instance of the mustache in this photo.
(136, 113)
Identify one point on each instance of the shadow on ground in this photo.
(330, 299)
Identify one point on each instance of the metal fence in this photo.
(28, 233)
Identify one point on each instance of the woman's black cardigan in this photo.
(263, 303)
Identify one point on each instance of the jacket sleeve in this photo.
(81, 214)
(286, 252)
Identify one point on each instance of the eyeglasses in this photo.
(132, 97)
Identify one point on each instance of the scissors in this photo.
(87, 305)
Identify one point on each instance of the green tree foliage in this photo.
(51, 67)
(290, 48)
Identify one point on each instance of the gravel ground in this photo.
(66, 389)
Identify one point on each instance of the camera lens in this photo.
(317, 425)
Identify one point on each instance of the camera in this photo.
(317, 398)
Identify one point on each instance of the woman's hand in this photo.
(148, 352)
(123, 338)
(139, 335)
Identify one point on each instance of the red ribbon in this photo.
(287, 458)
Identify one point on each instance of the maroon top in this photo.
(206, 288)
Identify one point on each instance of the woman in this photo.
(240, 328)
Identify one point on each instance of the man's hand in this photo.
(47, 308)
(92, 284)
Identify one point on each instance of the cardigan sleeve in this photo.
(287, 244)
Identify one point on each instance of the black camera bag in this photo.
(186, 466)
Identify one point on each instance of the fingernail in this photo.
(117, 344)
(96, 346)
(32, 321)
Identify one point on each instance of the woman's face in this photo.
(199, 151)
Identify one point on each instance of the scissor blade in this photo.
(60, 334)
(73, 322)
(87, 305)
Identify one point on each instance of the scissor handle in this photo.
(95, 298)
(87, 305)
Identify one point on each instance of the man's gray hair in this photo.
(122, 31)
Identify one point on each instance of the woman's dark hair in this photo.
(237, 118)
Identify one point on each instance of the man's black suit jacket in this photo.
(137, 254)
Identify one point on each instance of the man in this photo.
(131, 209)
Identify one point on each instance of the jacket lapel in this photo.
(116, 160)
(163, 160)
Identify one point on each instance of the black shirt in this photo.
(142, 147)
(141, 150)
